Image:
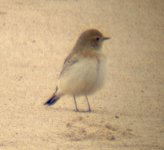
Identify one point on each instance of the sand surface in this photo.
(128, 112)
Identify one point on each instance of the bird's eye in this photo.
(97, 39)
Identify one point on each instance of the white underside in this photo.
(84, 77)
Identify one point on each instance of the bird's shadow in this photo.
(83, 111)
(73, 110)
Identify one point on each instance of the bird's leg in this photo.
(75, 103)
(89, 108)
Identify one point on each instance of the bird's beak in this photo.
(105, 38)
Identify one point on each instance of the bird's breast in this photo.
(85, 76)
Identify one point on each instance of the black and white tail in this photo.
(54, 98)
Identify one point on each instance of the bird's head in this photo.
(90, 40)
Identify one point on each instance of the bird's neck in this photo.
(91, 54)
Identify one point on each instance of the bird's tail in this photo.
(54, 98)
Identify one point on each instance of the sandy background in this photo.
(35, 38)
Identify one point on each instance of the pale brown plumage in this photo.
(83, 68)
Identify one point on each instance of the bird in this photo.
(83, 71)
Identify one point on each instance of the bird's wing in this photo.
(70, 60)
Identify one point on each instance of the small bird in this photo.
(84, 68)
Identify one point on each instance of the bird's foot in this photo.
(76, 110)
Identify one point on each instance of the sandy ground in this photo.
(36, 36)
